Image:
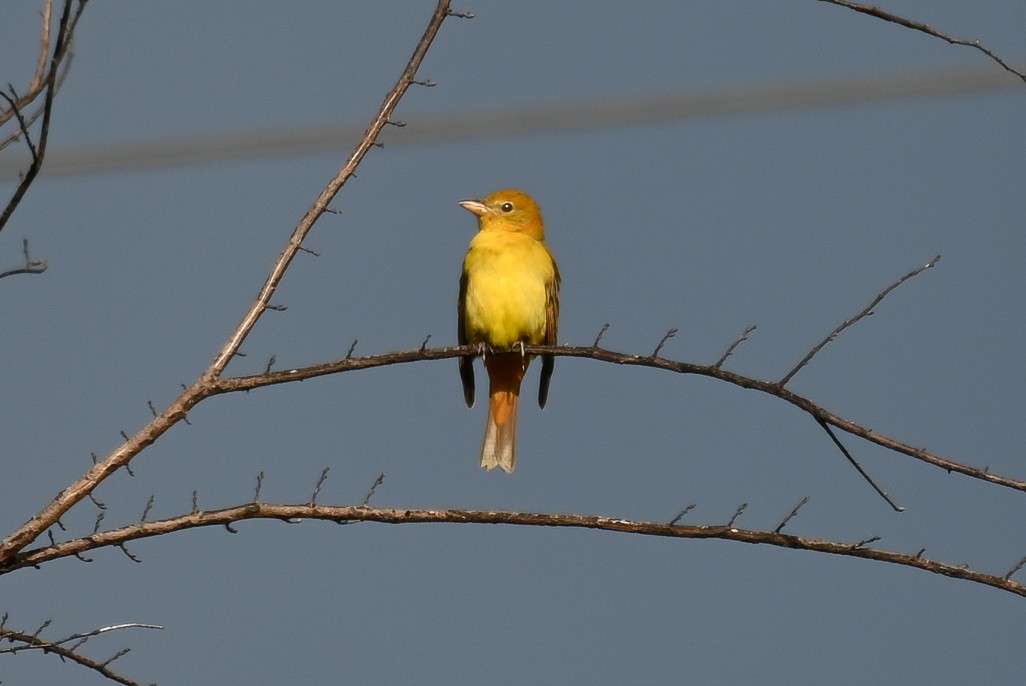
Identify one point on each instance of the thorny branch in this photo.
(363, 513)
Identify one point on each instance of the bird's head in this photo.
(508, 210)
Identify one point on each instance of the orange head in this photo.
(508, 210)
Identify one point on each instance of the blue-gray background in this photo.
(792, 221)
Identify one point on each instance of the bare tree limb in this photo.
(206, 385)
(362, 513)
(813, 409)
(924, 28)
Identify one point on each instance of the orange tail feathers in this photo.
(505, 372)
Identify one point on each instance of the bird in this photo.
(509, 298)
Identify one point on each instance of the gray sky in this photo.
(792, 220)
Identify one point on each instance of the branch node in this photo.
(270, 363)
(349, 353)
(317, 487)
(601, 333)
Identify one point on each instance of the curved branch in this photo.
(810, 407)
(924, 28)
(362, 513)
(206, 385)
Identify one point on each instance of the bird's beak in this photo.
(474, 206)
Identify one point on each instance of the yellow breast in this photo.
(507, 279)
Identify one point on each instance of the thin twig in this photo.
(680, 515)
(857, 466)
(662, 341)
(317, 487)
(848, 322)
(924, 28)
(737, 513)
(791, 515)
(374, 486)
(740, 339)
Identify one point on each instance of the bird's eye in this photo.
(506, 207)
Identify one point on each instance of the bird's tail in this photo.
(505, 372)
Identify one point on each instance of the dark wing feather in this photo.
(551, 328)
(466, 363)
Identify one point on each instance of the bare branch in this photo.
(44, 48)
(848, 322)
(31, 642)
(205, 386)
(928, 30)
(362, 513)
(813, 409)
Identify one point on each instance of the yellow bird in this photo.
(509, 297)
